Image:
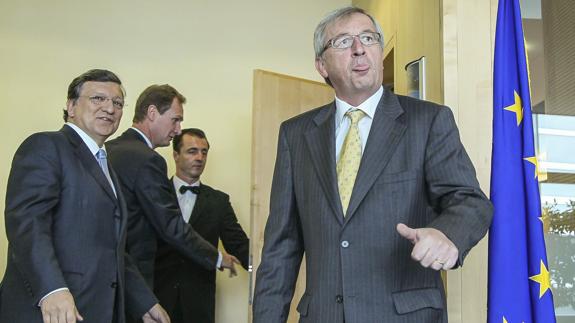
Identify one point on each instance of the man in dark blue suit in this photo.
(153, 209)
(66, 220)
(185, 289)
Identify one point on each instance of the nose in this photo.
(178, 129)
(357, 47)
(108, 107)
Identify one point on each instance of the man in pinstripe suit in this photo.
(414, 206)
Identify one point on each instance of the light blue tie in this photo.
(103, 161)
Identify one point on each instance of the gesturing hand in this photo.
(228, 262)
(431, 247)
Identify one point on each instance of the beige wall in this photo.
(468, 32)
(206, 49)
(412, 29)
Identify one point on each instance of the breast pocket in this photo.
(406, 176)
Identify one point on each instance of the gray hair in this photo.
(319, 34)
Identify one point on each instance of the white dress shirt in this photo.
(342, 123)
(186, 200)
(92, 145)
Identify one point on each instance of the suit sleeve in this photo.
(33, 192)
(233, 237)
(464, 211)
(152, 189)
(283, 245)
(139, 297)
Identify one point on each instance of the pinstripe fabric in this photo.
(414, 170)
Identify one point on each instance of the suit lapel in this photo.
(89, 161)
(387, 128)
(199, 206)
(121, 212)
(321, 144)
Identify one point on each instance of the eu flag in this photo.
(519, 284)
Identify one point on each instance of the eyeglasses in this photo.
(100, 100)
(367, 38)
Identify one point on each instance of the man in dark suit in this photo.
(66, 220)
(152, 206)
(186, 290)
(374, 188)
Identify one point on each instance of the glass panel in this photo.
(547, 36)
(556, 143)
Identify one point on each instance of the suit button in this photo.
(114, 285)
(345, 243)
(339, 299)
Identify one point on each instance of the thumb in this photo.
(407, 232)
(78, 316)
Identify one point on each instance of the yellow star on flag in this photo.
(516, 107)
(543, 279)
(505, 321)
(533, 160)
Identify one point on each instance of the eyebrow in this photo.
(347, 34)
(106, 95)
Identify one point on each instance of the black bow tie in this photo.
(193, 189)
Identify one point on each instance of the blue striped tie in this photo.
(101, 156)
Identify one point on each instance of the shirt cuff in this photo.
(219, 263)
(50, 293)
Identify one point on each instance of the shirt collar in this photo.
(178, 182)
(91, 143)
(368, 106)
(148, 142)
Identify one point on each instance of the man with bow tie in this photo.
(187, 290)
(154, 214)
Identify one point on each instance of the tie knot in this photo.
(193, 189)
(101, 154)
(355, 115)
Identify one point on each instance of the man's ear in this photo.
(320, 67)
(152, 112)
(71, 107)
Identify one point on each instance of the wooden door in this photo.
(276, 97)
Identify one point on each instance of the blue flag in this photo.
(519, 280)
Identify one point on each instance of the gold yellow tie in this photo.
(349, 159)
